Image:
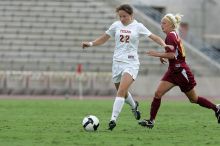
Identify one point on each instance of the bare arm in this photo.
(168, 55)
(158, 40)
(99, 41)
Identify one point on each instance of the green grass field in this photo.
(57, 122)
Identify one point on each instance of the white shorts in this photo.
(119, 68)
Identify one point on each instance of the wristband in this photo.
(90, 44)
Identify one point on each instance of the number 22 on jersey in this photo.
(124, 38)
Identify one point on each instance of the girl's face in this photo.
(124, 17)
(166, 25)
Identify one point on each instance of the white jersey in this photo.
(127, 40)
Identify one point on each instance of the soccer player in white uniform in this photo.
(125, 66)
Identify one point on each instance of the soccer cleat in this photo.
(136, 112)
(217, 113)
(111, 125)
(146, 123)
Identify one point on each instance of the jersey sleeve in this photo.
(171, 40)
(112, 29)
(144, 31)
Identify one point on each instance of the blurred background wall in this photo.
(200, 15)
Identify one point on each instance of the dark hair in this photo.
(125, 7)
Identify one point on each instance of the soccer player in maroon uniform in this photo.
(178, 73)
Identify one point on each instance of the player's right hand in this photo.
(85, 44)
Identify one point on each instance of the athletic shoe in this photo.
(136, 112)
(217, 113)
(146, 123)
(111, 125)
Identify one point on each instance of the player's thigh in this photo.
(126, 81)
(163, 87)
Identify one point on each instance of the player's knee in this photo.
(158, 94)
(121, 93)
(193, 100)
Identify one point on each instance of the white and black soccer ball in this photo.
(90, 123)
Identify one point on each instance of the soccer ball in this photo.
(90, 123)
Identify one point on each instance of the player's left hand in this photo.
(169, 46)
(163, 60)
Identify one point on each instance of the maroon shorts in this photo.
(184, 78)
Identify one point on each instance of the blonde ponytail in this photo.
(178, 18)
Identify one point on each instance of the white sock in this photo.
(117, 107)
(129, 100)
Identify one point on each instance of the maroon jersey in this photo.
(178, 72)
(179, 60)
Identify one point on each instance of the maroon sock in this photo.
(155, 105)
(206, 103)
